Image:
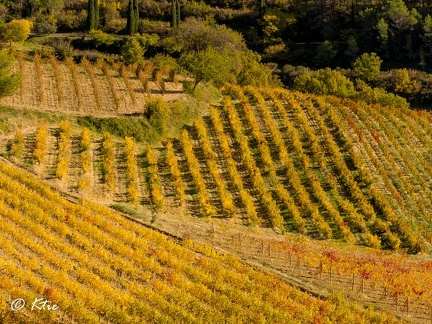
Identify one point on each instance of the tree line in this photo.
(289, 37)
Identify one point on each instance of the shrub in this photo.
(325, 82)
(254, 73)
(158, 111)
(16, 31)
(41, 143)
(379, 96)
(100, 38)
(45, 24)
(85, 149)
(9, 81)
(68, 20)
(371, 240)
(108, 161)
(147, 41)
(64, 149)
(17, 145)
(197, 9)
(132, 52)
(367, 67)
(165, 63)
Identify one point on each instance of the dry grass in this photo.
(87, 89)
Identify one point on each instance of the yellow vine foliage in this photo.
(41, 143)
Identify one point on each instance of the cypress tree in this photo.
(92, 14)
(262, 8)
(132, 17)
(174, 14)
(136, 27)
(96, 14)
(130, 25)
(178, 13)
(136, 16)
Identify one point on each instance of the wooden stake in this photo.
(331, 275)
(290, 258)
(407, 303)
(384, 293)
(298, 265)
(397, 305)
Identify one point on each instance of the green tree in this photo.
(44, 7)
(366, 20)
(383, 36)
(112, 18)
(15, 31)
(174, 18)
(325, 54)
(399, 15)
(401, 20)
(208, 65)
(403, 84)
(195, 35)
(325, 82)
(164, 62)
(262, 8)
(251, 72)
(352, 47)
(196, 9)
(427, 36)
(367, 67)
(378, 96)
(147, 40)
(212, 52)
(92, 14)
(137, 18)
(270, 28)
(9, 81)
(132, 24)
(100, 38)
(132, 52)
(174, 14)
(158, 113)
(178, 13)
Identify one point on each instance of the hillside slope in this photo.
(101, 89)
(319, 166)
(99, 267)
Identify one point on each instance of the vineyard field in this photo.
(349, 184)
(96, 266)
(86, 88)
(317, 166)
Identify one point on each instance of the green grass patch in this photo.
(13, 119)
(137, 127)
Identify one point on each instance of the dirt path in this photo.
(121, 176)
(75, 170)
(51, 157)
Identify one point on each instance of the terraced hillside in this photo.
(319, 166)
(96, 266)
(85, 88)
